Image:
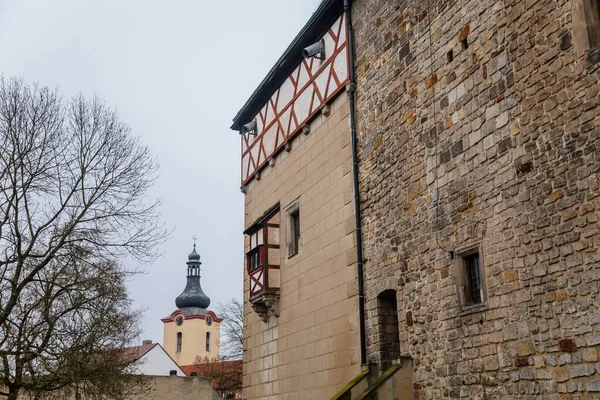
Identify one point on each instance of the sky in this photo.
(177, 72)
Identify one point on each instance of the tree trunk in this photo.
(13, 392)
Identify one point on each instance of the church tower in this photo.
(192, 330)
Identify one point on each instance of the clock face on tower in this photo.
(208, 320)
(179, 320)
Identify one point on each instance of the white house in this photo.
(152, 359)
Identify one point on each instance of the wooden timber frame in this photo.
(263, 263)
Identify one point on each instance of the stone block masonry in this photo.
(479, 126)
(312, 349)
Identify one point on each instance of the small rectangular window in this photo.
(473, 279)
(208, 342)
(178, 345)
(293, 228)
(295, 222)
(470, 278)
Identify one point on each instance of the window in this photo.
(254, 261)
(592, 19)
(388, 334)
(471, 278)
(208, 341)
(263, 262)
(293, 229)
(585, 31)
(178, 345)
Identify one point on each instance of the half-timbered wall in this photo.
(312, 85)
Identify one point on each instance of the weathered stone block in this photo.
(593, 386)
(576, 371)
(589, 354)
(561, 374)
(567, 345)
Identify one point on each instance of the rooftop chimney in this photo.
(146, 342)
(173, 372)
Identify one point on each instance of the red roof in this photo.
(139, 351)
(227, 375)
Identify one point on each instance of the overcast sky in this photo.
(177, 72)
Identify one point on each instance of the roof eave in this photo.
(314, 29)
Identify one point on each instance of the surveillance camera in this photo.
(315, 50)
(250, 127)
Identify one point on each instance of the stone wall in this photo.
(312, 349)
(152, 388)
(491, 143)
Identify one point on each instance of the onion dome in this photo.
(193, 296)
(193, 256)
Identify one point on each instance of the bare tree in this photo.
(73, 181)
(226, 375)
(226, 370)
(232, 329)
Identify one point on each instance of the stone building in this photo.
(478, 143)
(477, 134)
(301, 325)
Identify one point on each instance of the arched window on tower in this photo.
(178, 345)
(208, 341)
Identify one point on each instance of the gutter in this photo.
(357, 213)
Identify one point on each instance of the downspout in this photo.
(359, 252)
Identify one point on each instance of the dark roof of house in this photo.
(315, 28)
(254, 225)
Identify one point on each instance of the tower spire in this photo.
(193, 296)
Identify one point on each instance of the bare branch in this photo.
(73, 184)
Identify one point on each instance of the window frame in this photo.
(464, 279)
(293, 229)
(256, 254)
(208, 344)
(178, 342)
(585, 29)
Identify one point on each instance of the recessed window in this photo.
(208, 341)
(473, 272)
(471, 278)
(592, 19)
(295, 221)
(293, 229)
(585, 31)
(178, 344)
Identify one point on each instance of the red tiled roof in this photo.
(226, 374)
(139, 351)
(206, 369)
